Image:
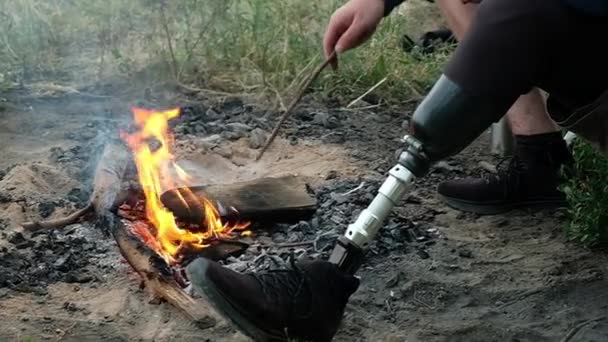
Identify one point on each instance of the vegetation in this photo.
(261, 47)
(587, 193)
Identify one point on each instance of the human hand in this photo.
(351, 25)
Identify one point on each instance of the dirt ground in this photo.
(510, 277)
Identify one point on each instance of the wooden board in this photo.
(282, 199)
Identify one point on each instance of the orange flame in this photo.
(154, 165)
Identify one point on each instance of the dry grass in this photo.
(261, 47)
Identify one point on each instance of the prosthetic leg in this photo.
(445, 122)
(308, 300)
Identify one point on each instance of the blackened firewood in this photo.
(281, 199)
(106, 188)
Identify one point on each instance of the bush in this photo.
(586, 191)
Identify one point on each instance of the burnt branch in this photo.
(106, 188)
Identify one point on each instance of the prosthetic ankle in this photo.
(446, 121)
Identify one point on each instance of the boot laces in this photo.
(283, 284)
(509, 174)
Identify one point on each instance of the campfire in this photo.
(157, 171)
(168, 220)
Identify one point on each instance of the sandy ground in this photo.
(510, 277)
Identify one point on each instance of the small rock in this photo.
(70, 307)
(62, 264)
(326, 120)
(75, 277)
(445, 166)
(212, 115)
(465, 253)
(224, 151)
(16, 238)
(333, 174)
(238, 127)
(321, 119)
(423, 254)
(45, 209)
(304, 226)
(393, 281)
(500, 222)
(212, 139)
(413, 199)
(233, 135)
(315, 223)
(5, 197)
(257, 138)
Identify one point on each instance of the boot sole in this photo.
(197, 269)
(498, 208)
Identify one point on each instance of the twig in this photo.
(579, 326)
(359, 187)
(290, 244)
(519, 298)
(293, 103)
(60, 222)
(366, 93)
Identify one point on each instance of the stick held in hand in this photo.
(294, 102)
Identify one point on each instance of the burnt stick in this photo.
(106, 188)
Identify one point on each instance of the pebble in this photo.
(257, 138)
(333, 174)
(445, 166)
(423, 254)
(465, 253)
(238, 127)
(393, 281)
(16, 238)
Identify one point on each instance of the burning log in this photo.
(106, 188)
(281, 199)
(155, 275)
(158, 280)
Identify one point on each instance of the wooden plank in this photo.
(276, 199)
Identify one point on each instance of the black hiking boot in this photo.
(305, 303)
(531, 179)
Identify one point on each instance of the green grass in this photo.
(254, 47)
(587, 194)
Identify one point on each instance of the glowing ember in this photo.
(152, 149)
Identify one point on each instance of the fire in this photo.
(152, 146)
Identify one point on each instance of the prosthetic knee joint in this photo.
(446, 121)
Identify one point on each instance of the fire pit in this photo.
(165, 221)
